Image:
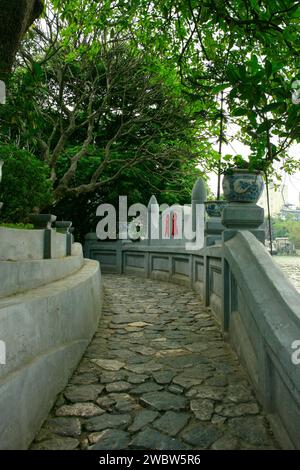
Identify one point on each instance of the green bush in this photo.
(18, 226)
(24, 185)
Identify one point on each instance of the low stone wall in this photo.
(18, 245)
(262, 317)
(255, 304)
(16, 277)
(49, 311)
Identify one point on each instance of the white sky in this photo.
(292, 182)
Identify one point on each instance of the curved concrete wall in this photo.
(46, 331)
(257, 307)
(18, 245)
(49, 311)
(16, 277)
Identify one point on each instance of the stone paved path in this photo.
(157, 375)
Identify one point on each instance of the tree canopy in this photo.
(112, 94)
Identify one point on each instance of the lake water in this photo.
(290, 265)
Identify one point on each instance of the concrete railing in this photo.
(256, 306)
(16, 245)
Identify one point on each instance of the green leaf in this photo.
(239, 111)
(219, 88)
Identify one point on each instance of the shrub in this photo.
(24, 185)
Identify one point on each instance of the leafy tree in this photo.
(98, 104)
(25, 185)
(287, 228)
(244, 51)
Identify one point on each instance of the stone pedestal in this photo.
(213, 230)
(42, 221)
(243, 216)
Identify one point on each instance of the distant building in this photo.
(290, 212)
(278, 199)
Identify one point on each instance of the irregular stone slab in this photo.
(194, 376)
(136, 378)
(124, 402)
(79, 409)
(171, 423)
(121, 319)
(118, 387)
(196, 347)
(144, 368)
(212, 393)
(146, 387)
(139, 324)
(108, 364)
(251, 430)
(107, 421)
(163, 377)
(106, 402)
(171, 352)
(59, 443)
(202, 409)
(144, 350)
(226, 443)
(238, 394)
(82, 393)
(202, 436)
(162, 401)
(108, 377)
(112, 439)
(70, 427)
(243, 409)
(143, 418)
(151, 439)
(217, 381)
(84, 379)
(175, 389)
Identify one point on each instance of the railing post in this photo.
(64, 228)
(44, 222)
(243, 216)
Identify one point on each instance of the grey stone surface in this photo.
(143, 418)
(152, 439)
(163, 401)
(171, 423)
(170, 400)
(202, 436)
(112, 439)
(82, 393)
(59, 443)
(79, 409)
(107, 421)
(70, 427)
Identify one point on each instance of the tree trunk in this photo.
(16, 16)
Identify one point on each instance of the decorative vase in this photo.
(241, 185)
(215, 208)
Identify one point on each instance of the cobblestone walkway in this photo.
(157, 375)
